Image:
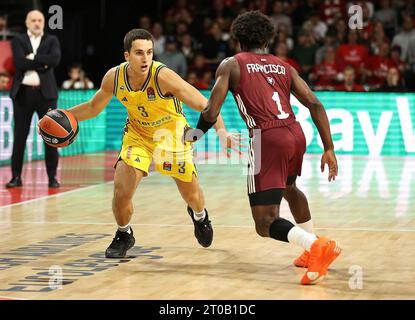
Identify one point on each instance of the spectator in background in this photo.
(199, 65)
(352, 53)
(377, 38)
(301, 10)
(317, 27)
(214, 47)
(181, 30)
(77, 79)
(410, 70)
(330, 41)
(341, 31)
(159, 39)
(183, 11)
(173, 58)
(35, 54)
(281, 51)
(192, 78)
(5, 33)
(207, 80)
(377, 67)
(188, 48)
(332, 10)
(386, 15)
(203, 83)
(169, 21)
(305, 52)
(4, 81)
(324, 76)
(395, 56)
(406, 36)
(367, 6)
(219, 9)
(261, 5)
(367, 11)
(393, 83)
(406, 8)
(279, 18)
(144, 23)
(225, 28)
(349, 81)
(282, 36)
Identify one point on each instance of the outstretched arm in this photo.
(210, 115)
(219, 92)
(98, 102)
(304, 94)
(172, 84)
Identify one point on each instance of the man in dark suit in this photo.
(34, 89)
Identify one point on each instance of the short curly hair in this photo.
(136, 34)
(253, 29)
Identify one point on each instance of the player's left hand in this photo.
(231, 141)
(329, 158)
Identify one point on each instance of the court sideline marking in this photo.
(159, 225)
(189, 225)
(55, 195)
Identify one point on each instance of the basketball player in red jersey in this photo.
(261, 84)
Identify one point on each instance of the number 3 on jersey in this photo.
(282, 115)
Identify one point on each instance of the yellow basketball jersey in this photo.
(149, 111)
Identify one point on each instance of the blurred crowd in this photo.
(316, 37)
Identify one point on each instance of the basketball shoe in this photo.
(302, 261)
(122, 242)
(203, 229)
(322, 254)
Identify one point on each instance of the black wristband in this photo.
(203, 124)
(193, 135)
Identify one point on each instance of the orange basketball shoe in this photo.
(302, 261)
(323, 252)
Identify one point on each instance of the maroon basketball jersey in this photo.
(263, 93)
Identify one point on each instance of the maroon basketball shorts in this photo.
(274, 155)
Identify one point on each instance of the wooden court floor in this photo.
(53, 247)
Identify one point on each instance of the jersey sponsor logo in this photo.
(150, 94)
(166, 166)
(270, 80)
(266, 68)
(156, 123)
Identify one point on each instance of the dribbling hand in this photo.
(38, 129)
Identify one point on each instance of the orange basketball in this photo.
(58, 128)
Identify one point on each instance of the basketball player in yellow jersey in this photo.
(152, 94)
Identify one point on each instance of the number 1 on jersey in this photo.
(282, 115)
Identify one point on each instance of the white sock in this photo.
(126, 228)
(301, 238)
(199, 216)
(307, 226)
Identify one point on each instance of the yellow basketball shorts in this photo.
(140, 152)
